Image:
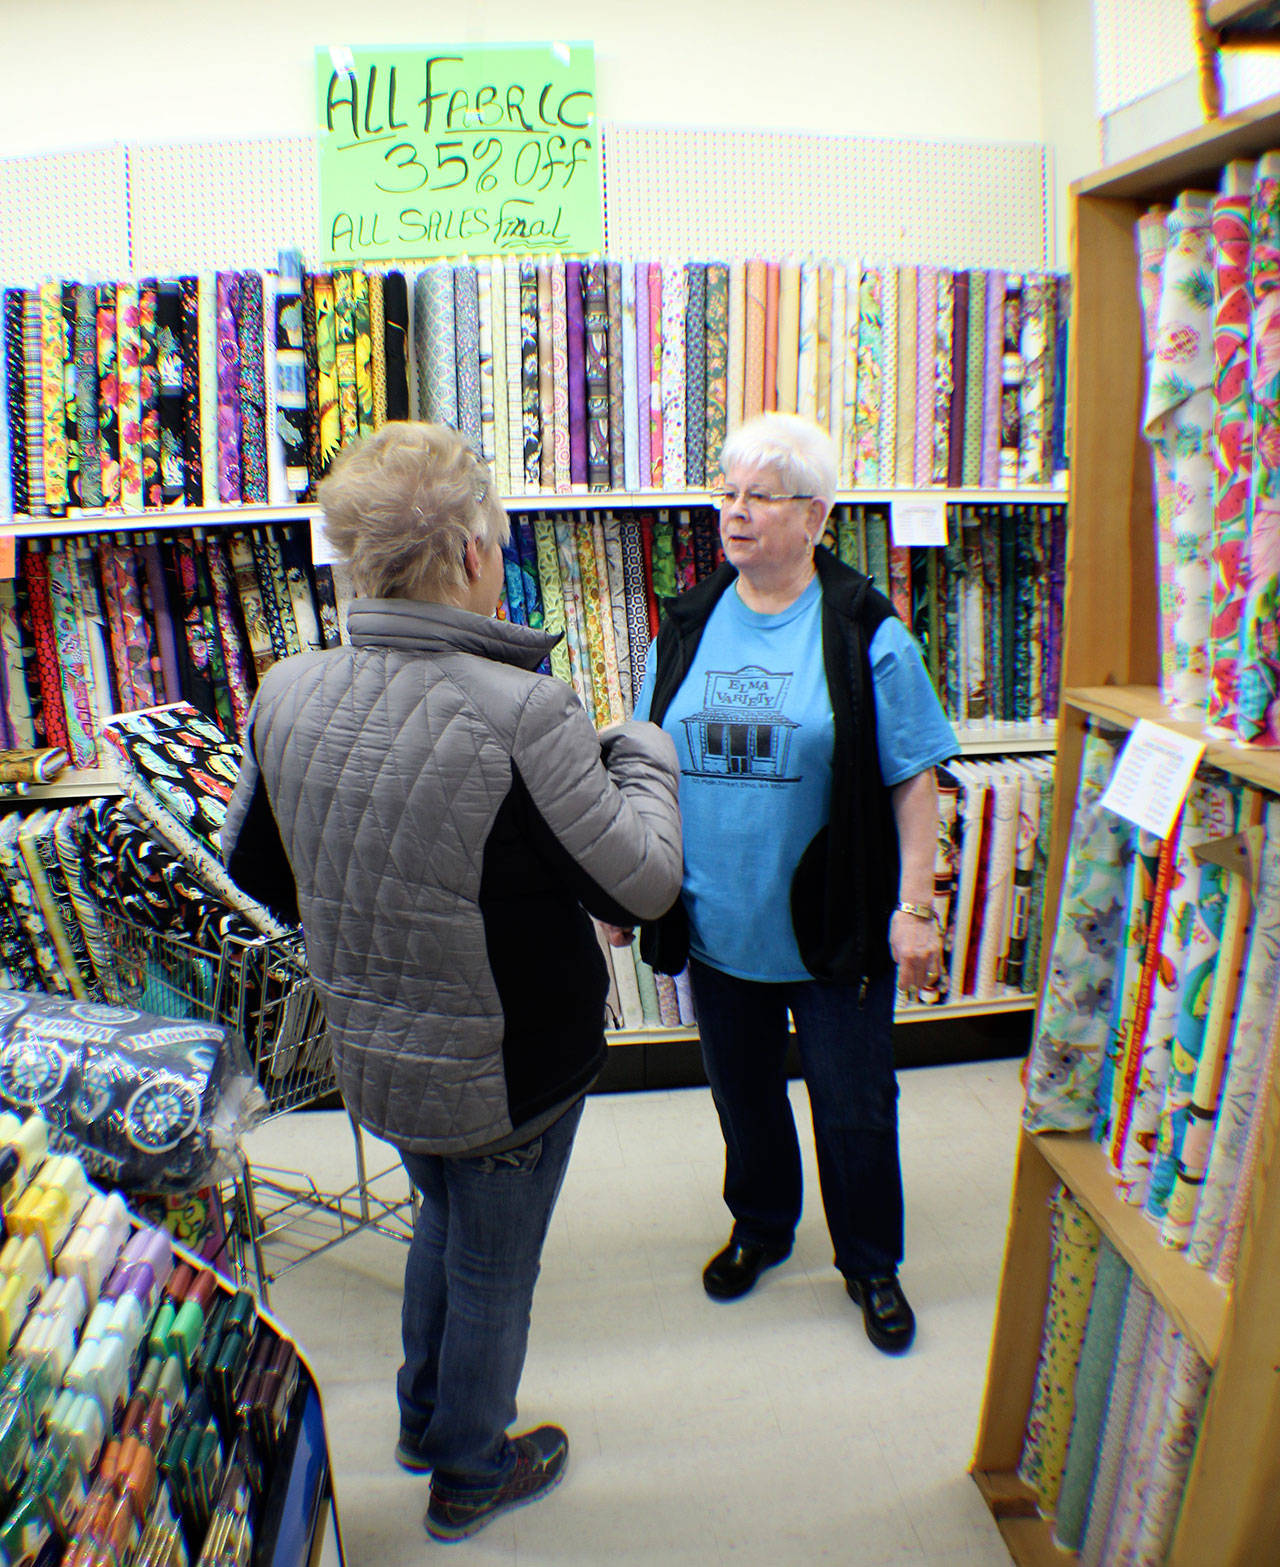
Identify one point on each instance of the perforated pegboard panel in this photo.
(64, 214)
(1139, 46)
(687, 192)
(163, 210)
(222, 204)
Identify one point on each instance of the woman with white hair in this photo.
(451, 820)
(807, 733)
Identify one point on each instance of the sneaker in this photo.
(889, 1320)
(409, 1454)
(456, 1512)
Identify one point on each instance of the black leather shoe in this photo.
(733, 1271)
(890, 1321)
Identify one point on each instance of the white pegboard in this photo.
(688, 192)
(1139, 47)
(168, 209)
(64, 214)
(222, 204)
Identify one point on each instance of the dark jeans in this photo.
(468, 1290)
(846, 1055)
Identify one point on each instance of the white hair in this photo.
(402, 505)
(798, 451)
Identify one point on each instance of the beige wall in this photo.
(84, 72)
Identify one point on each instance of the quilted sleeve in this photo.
(611, 801)
(250, 842)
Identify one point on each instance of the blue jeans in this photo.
(846, 1056)
(468, 1290)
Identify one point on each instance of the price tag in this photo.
(919, 521)
(8, 556)
(322, 551)
(1152, 777)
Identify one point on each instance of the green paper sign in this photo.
(469, 150)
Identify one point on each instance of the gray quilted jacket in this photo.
(449, 816)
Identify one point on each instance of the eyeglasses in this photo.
(752, 500)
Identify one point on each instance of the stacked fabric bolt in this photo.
(231, 388)
(1161, 1017)
(101, 624)
(1118, 1400)
(989, 875)
(59, 868)
(96, 624)
(1209, 280)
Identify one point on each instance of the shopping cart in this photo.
(261, 988)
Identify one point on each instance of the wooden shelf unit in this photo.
(1244, 24)
(76, 521)
(1231, 1510)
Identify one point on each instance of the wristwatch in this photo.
(920, 911)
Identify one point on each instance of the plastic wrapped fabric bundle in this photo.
(144, 1101)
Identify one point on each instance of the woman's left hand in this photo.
(916, 945)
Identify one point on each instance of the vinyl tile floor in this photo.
(766, 1430)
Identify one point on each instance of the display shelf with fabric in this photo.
(79, 521)
(1131, 1412)
(99, 622)
(240, 387)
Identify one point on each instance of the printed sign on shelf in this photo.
(1152, 777)
(473, 149)
(322, 551)
(918, 520)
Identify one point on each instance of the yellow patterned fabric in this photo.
(327, 371)
(590, 585)
(575, 620)
(345, 338)
(378, 344)
(53, 342)
(363, 333)
(552, 597)
(1074, 1241)
(613, 679)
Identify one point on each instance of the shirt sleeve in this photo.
(644, 702)
(911, 728)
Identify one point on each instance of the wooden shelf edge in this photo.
(1193, 1298)
(1123, 706)
(1013, 1506)
(1029, 737)
(1030, 1543)
(903, 1014)
(24, 526)
(1005, 1494)
(970, 1006)
(1193, 159)
(651, 1036)
(1261, 19)
(74, 783)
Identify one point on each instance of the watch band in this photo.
(920, 911)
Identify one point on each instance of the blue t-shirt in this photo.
(754, 733)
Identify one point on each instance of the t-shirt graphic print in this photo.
(741, 731)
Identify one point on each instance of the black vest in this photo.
(845, 887)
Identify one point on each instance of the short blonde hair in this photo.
(401, 507)
(799, 451)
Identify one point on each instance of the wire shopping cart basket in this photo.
(262, 988)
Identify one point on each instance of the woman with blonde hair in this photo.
(450, 821)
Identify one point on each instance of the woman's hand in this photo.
(916, 945)
(618, 935)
